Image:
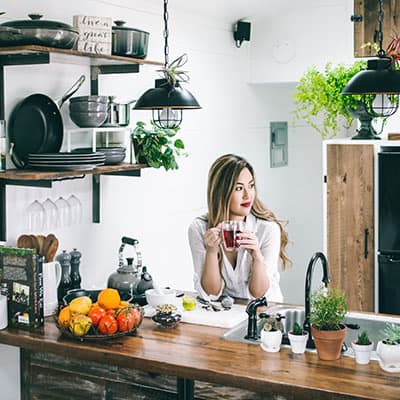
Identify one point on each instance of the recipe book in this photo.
(22, 270)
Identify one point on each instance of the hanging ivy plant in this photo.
(318, 99)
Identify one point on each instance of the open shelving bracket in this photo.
(3, 194)
(96, 190)
(32, 54)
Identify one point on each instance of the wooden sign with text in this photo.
(95, 34)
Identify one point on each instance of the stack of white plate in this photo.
(66, 161)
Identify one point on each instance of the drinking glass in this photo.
(35, 216)
(230, 231)
(50, 214)
(64, 212)
(76, 209)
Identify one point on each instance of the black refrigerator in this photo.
(389, 230)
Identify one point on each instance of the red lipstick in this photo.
(247, 204)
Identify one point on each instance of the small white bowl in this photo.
(162, 296)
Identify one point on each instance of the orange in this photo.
(64, 316)
(109, 298)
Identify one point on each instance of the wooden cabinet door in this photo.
(365, 30)
(350, 222)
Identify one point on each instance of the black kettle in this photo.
(130, 279)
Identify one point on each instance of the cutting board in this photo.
(200, 316)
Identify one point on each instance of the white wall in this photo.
(157, 207)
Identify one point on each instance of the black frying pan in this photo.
(36, 125)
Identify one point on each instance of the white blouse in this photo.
(236, 280)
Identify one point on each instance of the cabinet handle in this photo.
(356, 18)
(366, 233)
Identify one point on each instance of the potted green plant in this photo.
(362, 348)
(318, 99)
(388, 349)
(328, 309)
(298, 338)
(272, 332)
(157, 146)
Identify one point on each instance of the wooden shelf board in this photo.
(33, 175)
(96, 59)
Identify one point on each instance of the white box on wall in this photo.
(95, 34)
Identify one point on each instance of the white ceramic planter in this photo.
(388, 356)
(362, 353)
(298, 342)
(271, 341)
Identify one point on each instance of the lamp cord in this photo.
(381, 52)
(166, 33)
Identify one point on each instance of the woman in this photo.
(252, 270)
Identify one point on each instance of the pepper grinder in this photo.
(65, 283)
(75, 276)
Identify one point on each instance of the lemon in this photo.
(80, 305)
(188, 302)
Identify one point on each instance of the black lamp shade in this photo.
(379, 77)
(166, 96)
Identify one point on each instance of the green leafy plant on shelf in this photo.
(156, 146)
(318, 99)
(328, 309)
(363, 339)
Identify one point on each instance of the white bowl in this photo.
(163, 296)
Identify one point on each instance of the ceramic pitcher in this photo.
(51, 280)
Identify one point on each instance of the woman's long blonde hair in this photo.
(222, 179)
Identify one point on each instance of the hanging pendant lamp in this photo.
(168, 99)
(379, 84)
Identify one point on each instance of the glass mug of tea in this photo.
(230, 232)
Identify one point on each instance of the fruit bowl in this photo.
(97, 315)
(95, 334)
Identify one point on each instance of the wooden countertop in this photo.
(198, 353)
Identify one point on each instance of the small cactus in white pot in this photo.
(298, 339)
(271, 334)
(362, 348)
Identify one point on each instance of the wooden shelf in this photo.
(99, 64)
(95, 59)
(35, 175)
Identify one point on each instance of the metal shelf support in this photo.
(96, 190)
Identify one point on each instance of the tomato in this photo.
(108, 325)
(137, 314)
(96, 313)
(126, 320)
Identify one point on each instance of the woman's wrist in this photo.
(257, 257)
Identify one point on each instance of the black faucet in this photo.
(251, 309)
(325, 278)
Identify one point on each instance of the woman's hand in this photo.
(249, 241)
(212, 238)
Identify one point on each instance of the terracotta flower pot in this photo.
(329, 343)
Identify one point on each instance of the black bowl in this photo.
(93, 294)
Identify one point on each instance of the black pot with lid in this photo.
(129, 42)
(37, 31)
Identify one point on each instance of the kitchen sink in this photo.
(373, 323)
